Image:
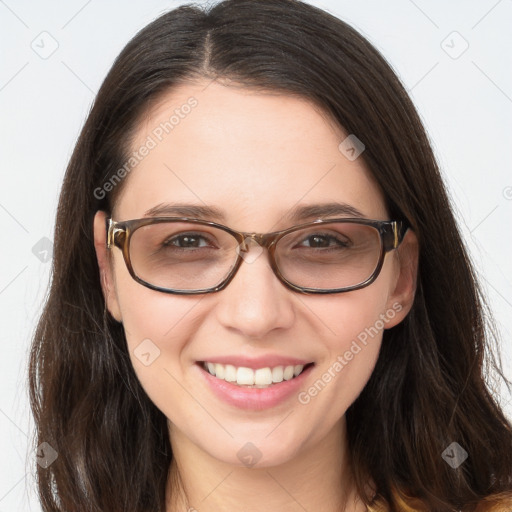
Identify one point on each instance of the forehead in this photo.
(254, 155)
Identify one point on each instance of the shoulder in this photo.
(501, 502)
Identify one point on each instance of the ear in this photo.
(105, 265)
(402, 295)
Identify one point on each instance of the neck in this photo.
(320, 478)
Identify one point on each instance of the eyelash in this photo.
(168, 242)
(328, 237)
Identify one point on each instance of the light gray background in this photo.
(464, 98)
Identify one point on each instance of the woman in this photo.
(260, 296)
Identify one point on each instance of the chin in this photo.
(261, 451)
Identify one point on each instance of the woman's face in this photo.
(255, 157)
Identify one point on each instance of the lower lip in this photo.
(254, 398)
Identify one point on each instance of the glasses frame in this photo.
(119, 234)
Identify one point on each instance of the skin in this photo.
(255, 156)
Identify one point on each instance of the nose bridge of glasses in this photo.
(264, 240)
(248, 237)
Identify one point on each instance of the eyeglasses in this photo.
(190, 256)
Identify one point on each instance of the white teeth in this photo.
(219, 371)
(288, 372)
(261, 377)
(230, 374)
(277, 374)
(244, 376)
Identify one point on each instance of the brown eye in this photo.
(187, 240)
(317, 241)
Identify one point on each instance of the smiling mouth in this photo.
(253, 378)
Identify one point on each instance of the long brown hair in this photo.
(428, 388)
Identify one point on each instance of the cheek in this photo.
(356, 321)
(357, 316)
(149, 314)
(157, 327)
(158, 330)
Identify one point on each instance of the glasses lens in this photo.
(182, 255)
(329, 256)
(186, 256)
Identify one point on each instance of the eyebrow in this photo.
(296, 214)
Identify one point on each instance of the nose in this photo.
(255, 302)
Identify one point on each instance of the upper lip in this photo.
(270, 361)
